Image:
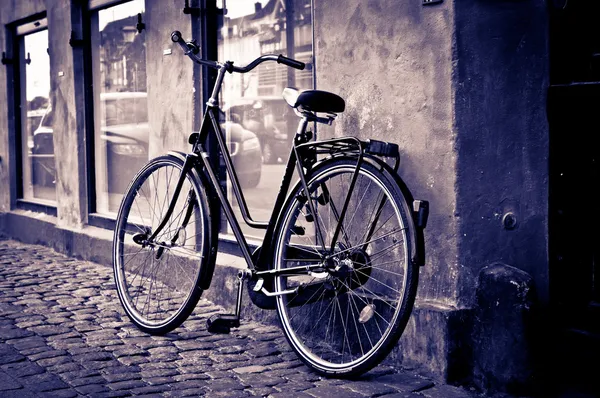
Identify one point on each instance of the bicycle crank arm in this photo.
(259, 287)
(301, 270)
(303, 294)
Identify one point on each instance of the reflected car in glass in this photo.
(125, 131)
(41, 148)
(244, 148)
(269, 118)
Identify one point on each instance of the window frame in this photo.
(96, 5)
(95, 218)
(16, 90)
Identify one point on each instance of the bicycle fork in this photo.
(144, 239)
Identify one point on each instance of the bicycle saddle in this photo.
(314, 100)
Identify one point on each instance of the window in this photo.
(259, 124)
(120, 100)
(38, 170)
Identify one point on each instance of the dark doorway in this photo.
(574, 113)
(574, 116)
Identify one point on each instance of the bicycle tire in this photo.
(365, 273)
(170, 269)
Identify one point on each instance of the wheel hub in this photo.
(362, 267)
(343, 268)
(350, 270)
(142, 238)
(159, 252)
(178, 239)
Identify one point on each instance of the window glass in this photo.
(37, 146)
(120, 101)
(259, 124)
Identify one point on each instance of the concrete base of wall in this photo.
(436, 339)
(505, 332)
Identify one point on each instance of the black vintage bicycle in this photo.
(341, 253)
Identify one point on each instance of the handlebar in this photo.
(192, 50)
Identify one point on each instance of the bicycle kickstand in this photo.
(222, 323)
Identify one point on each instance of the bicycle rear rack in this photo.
(354, 146)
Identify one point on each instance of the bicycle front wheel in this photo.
(345, 315)
(158, 279)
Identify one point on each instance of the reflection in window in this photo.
(120, 101)
(38, 166)
(253, 104)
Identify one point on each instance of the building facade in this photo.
(90, 90)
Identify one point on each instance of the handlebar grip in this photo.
(188, 47)
(176, 36)
(290, 62)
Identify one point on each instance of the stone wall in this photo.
(501, 83)
(393, 65)
(461, 87)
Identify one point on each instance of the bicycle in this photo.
(341, 253)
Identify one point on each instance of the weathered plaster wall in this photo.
(502, 136)
(11, 10)
(170, 78)
(392, 62)
(69, 133)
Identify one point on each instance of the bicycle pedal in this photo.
(298, 230)
(222, 323)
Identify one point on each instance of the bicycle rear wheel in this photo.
(158, 280)
(349, 313)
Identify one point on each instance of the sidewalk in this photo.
(63, 334)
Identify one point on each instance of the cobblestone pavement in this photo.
(63, 334)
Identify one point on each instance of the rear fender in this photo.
(418, 210)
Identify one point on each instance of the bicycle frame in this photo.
(199, 158)
(327, 240)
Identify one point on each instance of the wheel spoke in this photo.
(359, 205)
(345, 340)
(380, 253)
(367, 303)
(351, 295)
(378, 281)
(142, 265)
(368, 242)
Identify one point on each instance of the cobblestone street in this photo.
(63, 334)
